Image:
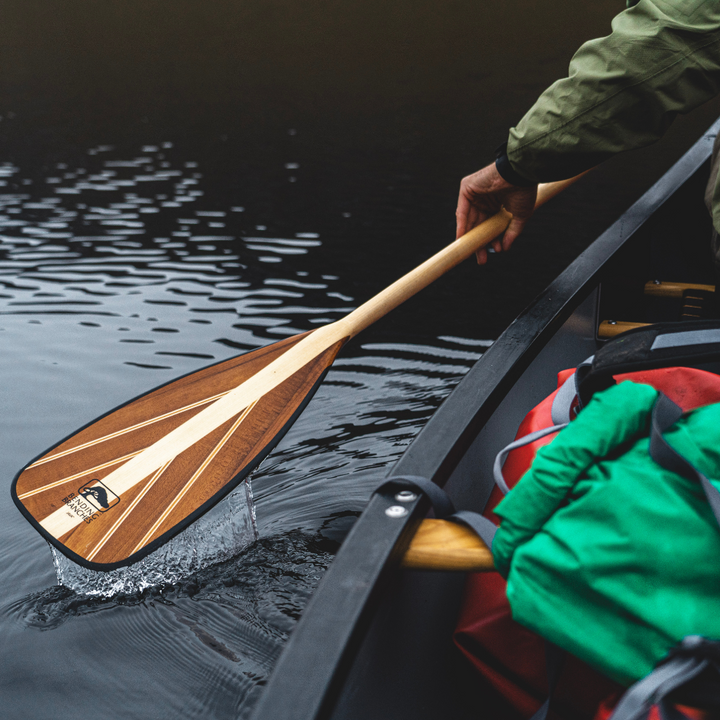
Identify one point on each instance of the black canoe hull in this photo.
(375, 642)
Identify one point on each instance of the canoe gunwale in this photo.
(310, 673)
(339, 609)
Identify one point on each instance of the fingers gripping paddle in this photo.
(122, 486)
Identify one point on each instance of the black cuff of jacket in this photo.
(506, 170)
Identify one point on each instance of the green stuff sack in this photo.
(607, 554)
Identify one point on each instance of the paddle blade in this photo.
(101, 526)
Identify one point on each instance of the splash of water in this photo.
(223, 532)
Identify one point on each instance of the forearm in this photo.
(623, 90)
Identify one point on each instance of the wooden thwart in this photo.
(123, 485)
(673, 289)
(445, 545)
(681, 291)
(610, 328)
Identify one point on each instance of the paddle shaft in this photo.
(450, 256)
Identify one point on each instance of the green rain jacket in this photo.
(623, 91)
(607, 554)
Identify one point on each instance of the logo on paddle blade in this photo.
(101, 497)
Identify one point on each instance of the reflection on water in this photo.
(69, 246)
(121, 275)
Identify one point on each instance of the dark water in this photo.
(183, 181)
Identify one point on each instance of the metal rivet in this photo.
(612, 322)
(406, 496)
(656, 282)
(396, 511)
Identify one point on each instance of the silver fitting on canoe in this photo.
(406, 496)
(396, 511)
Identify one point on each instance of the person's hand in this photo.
(482, 194)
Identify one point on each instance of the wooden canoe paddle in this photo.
(123, 485)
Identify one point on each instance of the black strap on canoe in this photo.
(695, 656)
(485, 529)
(443, 506)
(439, 499)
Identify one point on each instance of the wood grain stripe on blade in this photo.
(307, 351)
(125, 431)
(96, 460)
(143, 421)
(62, 522)
(158, 523)
(78, 476)
(149, 499)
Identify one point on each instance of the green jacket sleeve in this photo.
(611, 418)
(623, 91)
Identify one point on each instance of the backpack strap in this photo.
(688, 661)
(563, 409)
(561, 412)
(520, 442)
(554, 661)
(695, 655)
(665, 414)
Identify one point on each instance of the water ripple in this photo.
(207, 642)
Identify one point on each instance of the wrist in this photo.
(507, 172)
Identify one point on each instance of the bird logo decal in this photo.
(98, 494)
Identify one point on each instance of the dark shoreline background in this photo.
(389, 105)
